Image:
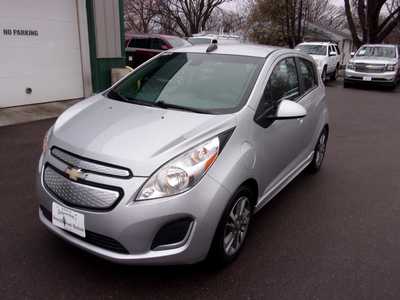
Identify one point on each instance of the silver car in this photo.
(169, 165)
(374, 64)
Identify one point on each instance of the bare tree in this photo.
(139, 15)
(371, 20)
(284, 19)
(226, 21)
(186, 17)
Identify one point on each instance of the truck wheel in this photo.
(335, 73)
(323, 75)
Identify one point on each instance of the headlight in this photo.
(350, 66)
(391, 67)
(183, 172)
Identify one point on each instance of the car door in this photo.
(338, 56)
(138, 51)
(277, 143)
(332, 59)
(311, 99)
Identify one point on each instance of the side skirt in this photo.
(283, 183)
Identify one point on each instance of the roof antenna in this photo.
(213, 46)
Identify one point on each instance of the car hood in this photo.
(374, 60)
(318, 58)
(140, 138)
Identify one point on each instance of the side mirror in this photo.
(332, 53)
(290, 110)
(164, 47)
(352, 54)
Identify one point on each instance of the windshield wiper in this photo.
(166, 105)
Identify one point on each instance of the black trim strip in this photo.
(92, 161)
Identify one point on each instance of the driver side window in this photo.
(282, 84)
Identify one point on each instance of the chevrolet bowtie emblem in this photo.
(74, 174)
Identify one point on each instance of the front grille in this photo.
(96, 239)
(80, 193)
(370, 68)
(90, 165)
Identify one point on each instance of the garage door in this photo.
(39, 52)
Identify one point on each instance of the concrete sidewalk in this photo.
(35, 112)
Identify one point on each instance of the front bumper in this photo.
(134, 224)
(381, 78)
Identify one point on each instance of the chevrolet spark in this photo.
(169, 165)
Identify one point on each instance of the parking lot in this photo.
(334, 235)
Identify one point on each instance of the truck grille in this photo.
(90, 165)
(80, 193)
(96, 239)
(370, 68)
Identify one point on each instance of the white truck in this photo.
(326, 55)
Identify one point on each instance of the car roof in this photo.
(232, 49)
(148, 35)
(317, 43)
(379, 45)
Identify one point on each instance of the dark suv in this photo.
(142, 47)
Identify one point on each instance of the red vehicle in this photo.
(142, 47)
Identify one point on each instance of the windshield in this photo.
(210, 83)
(177, 42)
(313, 49)
(376, 51)
(199, 41)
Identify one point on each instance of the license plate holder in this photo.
(68, 219)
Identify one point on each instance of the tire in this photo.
(346, 84)
(324, 75)
(319, 152)
(335, 73)
(230, 237)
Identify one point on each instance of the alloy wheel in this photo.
(320, 150)
(237, 225)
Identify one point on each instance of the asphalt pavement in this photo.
(334, 235)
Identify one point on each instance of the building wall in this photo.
(105, 54)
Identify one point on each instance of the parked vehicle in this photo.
(169, 165)
(377, 64)
(142, 47)
(326, 55)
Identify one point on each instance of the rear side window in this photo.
(157, 44)
(307, 74)
(139, 43)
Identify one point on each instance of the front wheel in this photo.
(233, 228)
(324, 75)
(319, 152)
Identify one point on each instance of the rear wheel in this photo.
(233, 228)
(346, 84)
(335, 73)
(324, 75)
(319, 152)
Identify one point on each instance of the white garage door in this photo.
(40, 58)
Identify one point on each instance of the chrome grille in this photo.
(370, 68)
(88, 165)
(78, 194)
